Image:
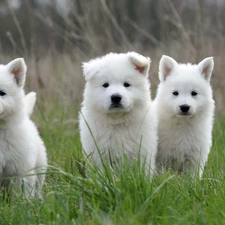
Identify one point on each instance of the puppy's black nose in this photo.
(184, 108)
(116, 98)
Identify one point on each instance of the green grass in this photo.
(77, 194)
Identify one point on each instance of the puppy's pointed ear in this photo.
(91, 68)
(141, 63)
(166, 66)
(206, 67)
(30, 100)
(18, 69)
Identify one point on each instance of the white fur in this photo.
(22, 152)
(184, 140)
(30, 100)
(118, 130)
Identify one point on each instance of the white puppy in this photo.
(185, 109)
(22, 152)
(117, 116)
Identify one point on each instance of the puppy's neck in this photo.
(12, 120)
(116, 119)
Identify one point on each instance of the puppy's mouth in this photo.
(185, 114)
(116, 107)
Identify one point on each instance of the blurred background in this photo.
(55, 36)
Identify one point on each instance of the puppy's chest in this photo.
(6, 142)
(7, 152)
(11, 141)
(119, 137)
(181, 139)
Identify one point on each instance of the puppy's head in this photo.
(116, 82)
(12, 79)
(184, 89)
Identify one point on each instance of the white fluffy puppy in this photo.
(117, 116)
(185, 109)
(22, 152)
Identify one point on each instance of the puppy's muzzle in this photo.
(116, 101)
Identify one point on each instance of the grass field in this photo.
(77, 194)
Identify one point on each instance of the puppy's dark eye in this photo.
(2, 93)
(194, 93)
(175, 93)
(105, 85)
(126, 84)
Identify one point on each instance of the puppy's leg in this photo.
(20, 184)
(194, 167)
